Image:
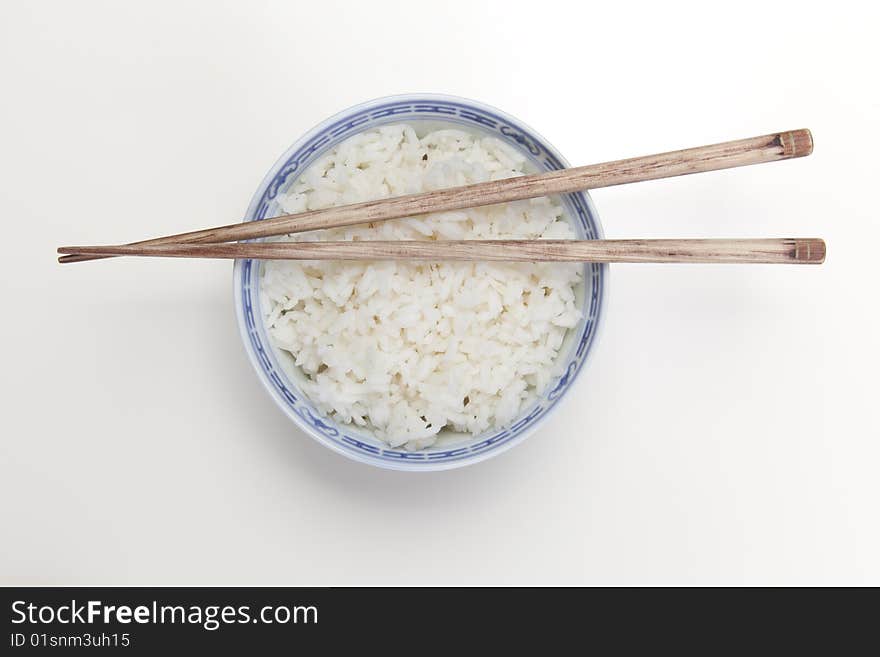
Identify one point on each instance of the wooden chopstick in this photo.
(755, 150)
(789, 250)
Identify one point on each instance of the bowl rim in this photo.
(405, 465)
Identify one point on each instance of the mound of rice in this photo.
(406, 349)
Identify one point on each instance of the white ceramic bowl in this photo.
(275, 369)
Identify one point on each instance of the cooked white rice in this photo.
(406, 349)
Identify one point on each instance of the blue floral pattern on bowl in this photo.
(411, 108)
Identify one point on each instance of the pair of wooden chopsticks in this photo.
(210, 243)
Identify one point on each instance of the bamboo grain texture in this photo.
(743, 152)
(770, 251)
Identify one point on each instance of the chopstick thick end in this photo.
(797, 143)
(809, 251)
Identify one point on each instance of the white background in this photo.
(725, 431)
